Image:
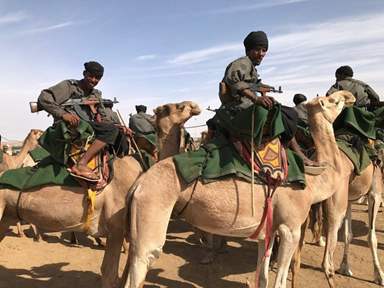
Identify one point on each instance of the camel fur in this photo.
(224, 207)
(60, 208)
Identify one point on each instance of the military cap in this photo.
(141, 108)
(298, 98)
(256, 39)
(94, 68)
(344, 71)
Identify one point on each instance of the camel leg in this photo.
(335, 210)
(374, 201)
(149, 222)
(296, 260)
(100, 242)
(263, 262)
(289, 238)
(345, 268)
(125, 246)
(73, 238)
(37, 235)
(111, 259)
(20, 231)
(3, 224)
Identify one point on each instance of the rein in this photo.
(18, 206)
(189, 200)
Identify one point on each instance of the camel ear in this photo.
(349, 99)
(162, 111)
(322, 103)
(180, 107)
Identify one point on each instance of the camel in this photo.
(16, 161)
(225, 207)
(338, 207)
(61, 208)
(21, 159)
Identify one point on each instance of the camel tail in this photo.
(130, 194)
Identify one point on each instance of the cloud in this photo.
(49, 28)
(255, 6)
(13, 17)
(146, 57)
(204, 54)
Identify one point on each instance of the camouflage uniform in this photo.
(50, 100)
(364, 94)
(106, 131)
(140, 123)
(302, 112)
(239, 75)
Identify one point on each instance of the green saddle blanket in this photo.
(359, 157)
(47, 172)
(219, 159)
(38, 154)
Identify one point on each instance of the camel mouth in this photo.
(195, 109)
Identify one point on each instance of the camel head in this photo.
(331, 106)
(32, 138)
(175, 113)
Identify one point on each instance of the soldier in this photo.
(106, 128)
(239, 87)
(140, 123)
(365, 96)
(145, 134)
(300, 101)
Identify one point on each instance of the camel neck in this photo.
(169, 142)
(324, 139)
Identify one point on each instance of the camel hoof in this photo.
(321, 242)
(379, 279)
(100, 242)
(344, 270)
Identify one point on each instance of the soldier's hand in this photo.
(265, 101)
(71, 119)
(126, 131)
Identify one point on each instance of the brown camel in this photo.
(21, 159)
(224, 207)
(16, 161)
(60, 208)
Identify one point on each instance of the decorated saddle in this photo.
(229, 152)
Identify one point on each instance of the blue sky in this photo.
(157, 52)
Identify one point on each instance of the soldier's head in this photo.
(343, 72)
(93, 72)
(141, 108)
(299, 98)
(256, 46)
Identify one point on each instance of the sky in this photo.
(158, 52)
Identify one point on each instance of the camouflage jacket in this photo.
(302, 112)
(50, 100)
(363, 93)
(140, 123)
(239, 75)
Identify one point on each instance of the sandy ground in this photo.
(55, 263)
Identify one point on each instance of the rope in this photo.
(133, 141)
(196, 126)
(252, 160)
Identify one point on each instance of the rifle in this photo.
(91, 102)
(263, 89)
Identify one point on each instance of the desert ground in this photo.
(54, 263)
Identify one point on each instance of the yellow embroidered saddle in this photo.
(270, 159)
